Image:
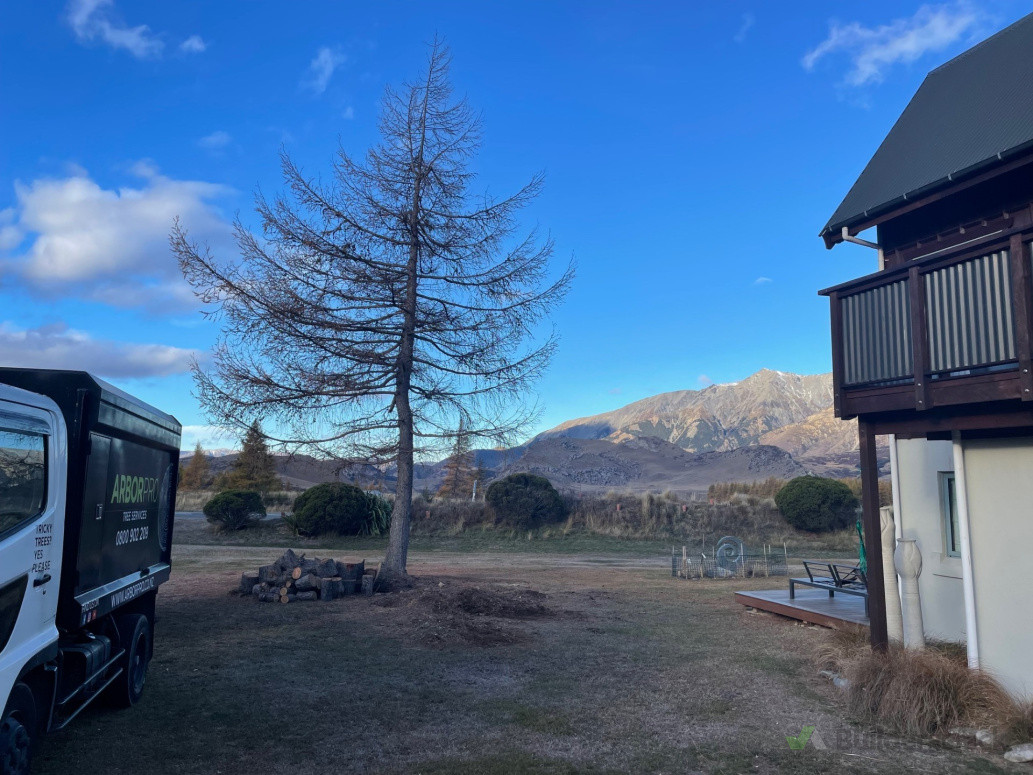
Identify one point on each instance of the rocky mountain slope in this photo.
(770, 424)
(789, 411)
(647, 464)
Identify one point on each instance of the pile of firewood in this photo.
(296, 577)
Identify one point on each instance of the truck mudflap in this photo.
(103, 600)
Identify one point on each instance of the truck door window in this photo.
(23, 477)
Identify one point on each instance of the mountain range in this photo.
(772, 423)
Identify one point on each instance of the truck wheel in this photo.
(128, 688)
(16, 726)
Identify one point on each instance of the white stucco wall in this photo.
(1000, 494)
(920, 516)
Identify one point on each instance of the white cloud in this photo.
(748, 20)
(704, 380)
(57, 346)
(96, 20)
(111, 245)
(212, 438)
(763, 281)
(193, 45)
(873, 50)
(321, 69)
(216, 141)
(349, 113)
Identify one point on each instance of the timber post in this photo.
(871, 522)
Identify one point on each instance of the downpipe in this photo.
(967, 579)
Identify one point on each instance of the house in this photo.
(934, 349)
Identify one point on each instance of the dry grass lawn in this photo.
(491, 664)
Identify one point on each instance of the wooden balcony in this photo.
(949, 329)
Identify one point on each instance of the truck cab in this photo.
(87, 499)
(33, 446)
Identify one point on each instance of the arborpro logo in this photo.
(134, 489)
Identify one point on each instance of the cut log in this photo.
(326, 569)
(351, 570)
(247, 581)
(332, 588)
(269, 573)
(256, 590)
(306, 583)
(288, 560)
(308, 566)
(269, 597)
(296, 572)
(290, 598)
(309, 595)
(367, 585)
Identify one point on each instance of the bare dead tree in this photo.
(382, 311)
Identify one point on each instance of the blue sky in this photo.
(692, 152)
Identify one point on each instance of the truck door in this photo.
(32, 501)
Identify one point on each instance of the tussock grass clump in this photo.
(922, 693)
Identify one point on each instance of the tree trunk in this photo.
(398, 541)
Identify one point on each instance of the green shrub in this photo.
(234, 509)
(339, 508)
(525, 501)
(817, 505)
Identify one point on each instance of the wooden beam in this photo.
(870, 520)
(919, 338)
(921, 425)
(1019, 263)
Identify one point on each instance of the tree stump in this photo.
(331, 588)
(326, 569)
(367, 585)
(247, 582)
(351, 570)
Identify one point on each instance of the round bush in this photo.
(340, 508)
(234, 509)
(525, 501)
(817, 505)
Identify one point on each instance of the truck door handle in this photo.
(41, 580)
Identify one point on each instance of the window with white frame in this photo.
(949, 508)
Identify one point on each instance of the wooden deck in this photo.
(809, 605)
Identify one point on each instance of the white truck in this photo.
(87, 499)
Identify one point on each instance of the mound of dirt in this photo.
(483, 615)
(503, 604)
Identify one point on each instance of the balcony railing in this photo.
(947, 330)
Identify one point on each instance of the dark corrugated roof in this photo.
(968, 113)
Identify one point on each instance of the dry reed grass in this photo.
(926, 692)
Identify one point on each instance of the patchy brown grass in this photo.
(517, 663)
